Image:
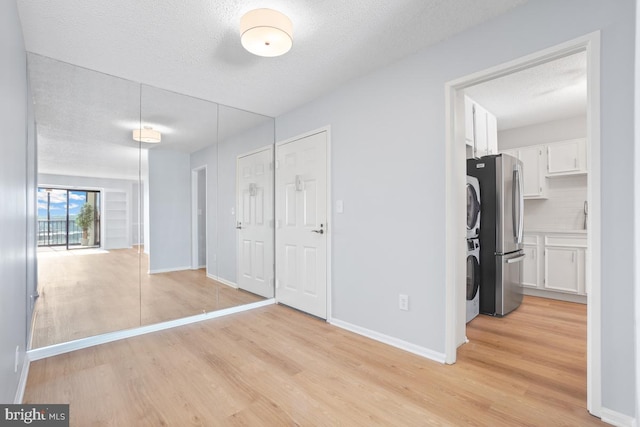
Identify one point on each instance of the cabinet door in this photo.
(530, 267)
(564, 157)
(531, 158)
(492, 134)
(482, 145)
(468, 121)
(561, 269)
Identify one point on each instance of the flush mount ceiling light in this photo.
(266, 32)
(147, 134)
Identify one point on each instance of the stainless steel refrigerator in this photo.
(501, 228)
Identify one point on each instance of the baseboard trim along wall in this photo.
(22, 383)
(394, 342)
(223, 281)
(617, 419)
(169, 270)
(56, 349)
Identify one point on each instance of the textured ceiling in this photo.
(551, 91)
(194, 48)
(85, 120)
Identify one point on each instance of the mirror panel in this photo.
(176, 282)
(88, 176)
(245, 251)
(161, 239)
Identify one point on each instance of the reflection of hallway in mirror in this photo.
(92, 292)
(177, 294)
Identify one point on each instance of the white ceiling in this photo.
(551, 91)
(85, 120)
(194, 48)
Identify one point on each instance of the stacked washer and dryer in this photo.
(473, 247)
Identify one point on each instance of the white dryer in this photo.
(473, 207)
(473, 278)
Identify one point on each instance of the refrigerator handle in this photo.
(517, 201)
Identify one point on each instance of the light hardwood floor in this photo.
(274, 366)
(87, 292)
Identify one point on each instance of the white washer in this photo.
(473, 278)
(473, 207)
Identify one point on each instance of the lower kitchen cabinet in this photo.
(554, 265)
(562, 269)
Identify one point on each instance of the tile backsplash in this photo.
(564, 207)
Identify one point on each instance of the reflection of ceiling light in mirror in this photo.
(266, 32)
(147, 134)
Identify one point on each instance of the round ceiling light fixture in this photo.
(266, 32)
(147, 134)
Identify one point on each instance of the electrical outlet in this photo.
(403, 302)
(15, 366)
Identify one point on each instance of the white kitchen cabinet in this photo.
(562, 269)
(555, 265)
(530, 266)
(468, 121)
(533, 179)
(492, 134)
(567, 157)
(533, 170)
(481, 129)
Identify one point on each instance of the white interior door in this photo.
(254, 200)
(301, 224)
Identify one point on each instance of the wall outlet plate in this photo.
(403, 302)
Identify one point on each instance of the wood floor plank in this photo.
(275, 366)
(85, 292)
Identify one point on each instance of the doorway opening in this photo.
(199, 218)
(456, 212)
(68, 218)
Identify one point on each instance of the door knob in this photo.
(239, 226)
(321, 231)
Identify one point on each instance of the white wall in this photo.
(169, 211)
(388, 165)
(543, 133)
(564, 207)
(13, 209)
(637, 205)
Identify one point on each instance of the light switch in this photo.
(339, 206)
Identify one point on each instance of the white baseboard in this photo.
(561, 296)
(56, 349)
(22, 383)
(223, 281)
(392, 341)
(617, 419)
(169, 270)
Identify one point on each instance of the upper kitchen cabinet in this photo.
(481, 129)
(533, 170)
(567, 157)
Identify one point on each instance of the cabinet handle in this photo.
(573, 257)
(575, 163)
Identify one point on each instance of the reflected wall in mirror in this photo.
(88, 178)
(189, 179)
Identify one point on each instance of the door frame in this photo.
(273, 210)
(329, 232)
(195, 245)
(455, 174)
